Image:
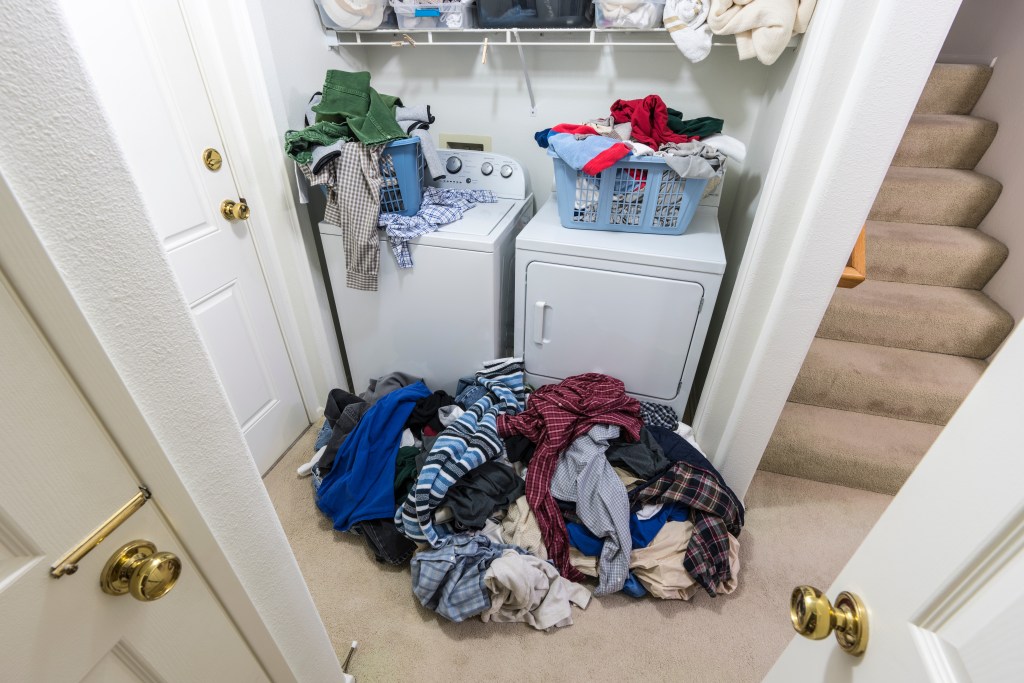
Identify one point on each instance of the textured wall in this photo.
(86, 210)
(985, 30)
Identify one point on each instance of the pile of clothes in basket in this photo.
(504, 501)
(341, 147)
(641, 129)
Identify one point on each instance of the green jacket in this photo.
(351, 110)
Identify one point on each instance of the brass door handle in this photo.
(235, 211)
(814, 617)
(137, 568)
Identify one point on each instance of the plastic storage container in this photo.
(628, 14)
(436, 16)
(352, 15)
(639, 195)
(532, 13)
(401, 168)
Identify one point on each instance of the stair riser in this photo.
(834, 447)
(904, 200)
(953, 89)
(938, 146)
(936, 255)
(951, 321)
(886, 382)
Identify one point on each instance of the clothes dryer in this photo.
(633, 306)
(453, 310)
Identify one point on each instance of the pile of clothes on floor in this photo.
(643, 128)
(507, 502)
(341, 147)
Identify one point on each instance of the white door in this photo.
(62, 477)
(942, 572)
(587, 320)
(141, 57)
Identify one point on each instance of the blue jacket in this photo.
(361, 486)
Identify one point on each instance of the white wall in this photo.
(87, 212)
(748, 184)
(985, 30)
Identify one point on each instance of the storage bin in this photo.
(628, 13)
(352, 15)
(436, 16)
(639, 195)
(401, 169)
(532, 13)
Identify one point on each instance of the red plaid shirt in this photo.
(555, 416)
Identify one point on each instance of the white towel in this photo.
(762, 28)
(727, 145)
(686, 22)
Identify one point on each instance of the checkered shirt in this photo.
(555, 416)
(439, 207)
(715, 512)
(450, 579)
(353, 203)
(584, 476)
(658, 415)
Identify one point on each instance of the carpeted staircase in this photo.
(894, 357)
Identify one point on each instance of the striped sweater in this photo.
(464, 445)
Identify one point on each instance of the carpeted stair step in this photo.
(850, 449)
(937, 196)
(953, 88)
(886, 381)
(941, 255)
(959, 322)
(944, 141)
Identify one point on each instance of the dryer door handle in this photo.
(538, 322)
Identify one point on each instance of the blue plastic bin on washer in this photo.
(637, 194)
(401, 169)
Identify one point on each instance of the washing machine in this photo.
(633, 306)
(452, 310)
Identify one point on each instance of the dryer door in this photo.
(634, 327)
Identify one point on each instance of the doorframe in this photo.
(842, 127)
(92, 272)
(223, 38)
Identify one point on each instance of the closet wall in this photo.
(985, 30)
(570, 84)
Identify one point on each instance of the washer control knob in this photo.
(454, 164)
(506, 171)
(486, 168)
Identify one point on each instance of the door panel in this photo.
(164, 121)
(586, 320)
(62, 478)
(942, 572)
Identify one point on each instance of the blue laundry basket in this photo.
(641, 194)
(401, 169)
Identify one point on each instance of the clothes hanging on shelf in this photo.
(763, 28)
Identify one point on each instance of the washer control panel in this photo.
(473, 170)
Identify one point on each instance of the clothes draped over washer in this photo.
(439, 207)
(341, 148)
(502, 507)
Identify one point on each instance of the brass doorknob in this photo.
(137, 568)
(235, 211)
(814, 617)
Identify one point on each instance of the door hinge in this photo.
(700, 306)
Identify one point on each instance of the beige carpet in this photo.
(797, 531)
(895, 356)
